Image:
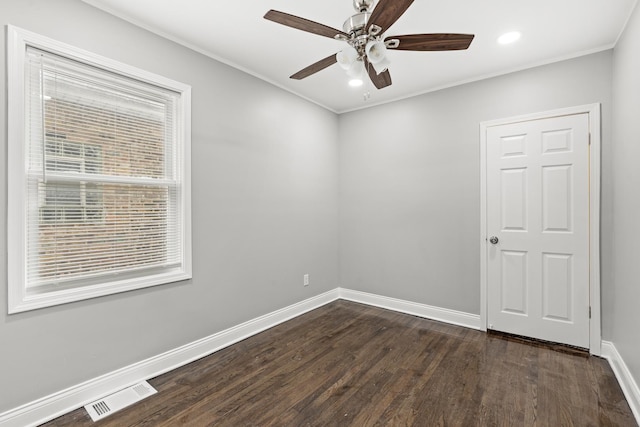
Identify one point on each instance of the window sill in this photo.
(35, 300)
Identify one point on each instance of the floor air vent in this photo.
(119, 400)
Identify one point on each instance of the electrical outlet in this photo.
(306, 280)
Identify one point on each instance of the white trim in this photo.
(594, 226)
(483, 227)
(172, 37)
(60, 403)
(487, 76)
(627, 383)
(626, 23)
(54, 405)
(595, 329)
(18, 298)
(57, 404)
(452, 317)
(158, 31)
(52, 298)
(16, 234)
(21, 37)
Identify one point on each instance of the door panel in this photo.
(513, 146)
(557, 141)
(557, 198)
(514, 199)
(538, 208)
(514, 282)
(557, 286)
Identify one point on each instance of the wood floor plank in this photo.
(348, 364)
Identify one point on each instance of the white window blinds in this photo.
(104, 176)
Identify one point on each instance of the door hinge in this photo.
(589, 312)
(589, 138)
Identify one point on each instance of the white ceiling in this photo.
(235, 32)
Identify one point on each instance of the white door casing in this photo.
(542, 275)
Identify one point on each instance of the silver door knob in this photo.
(494, 240)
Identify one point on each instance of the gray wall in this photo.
(409, 180)
(264, 213)
(625, 290)
(269, 171)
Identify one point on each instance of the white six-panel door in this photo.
(537, 207)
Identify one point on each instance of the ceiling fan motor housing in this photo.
(356, 23)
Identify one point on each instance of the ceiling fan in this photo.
(364, 33)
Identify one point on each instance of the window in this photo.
(99, 156)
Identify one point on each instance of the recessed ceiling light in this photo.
(355, 82)
(510, 37)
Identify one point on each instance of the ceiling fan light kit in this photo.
(368, 47)
(346, 57)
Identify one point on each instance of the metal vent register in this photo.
(119, 400)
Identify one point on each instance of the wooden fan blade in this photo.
(431, 42)
(302, 24)
(314, 68)
(387, 12)
(381, 80)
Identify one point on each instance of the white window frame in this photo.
(19, 299)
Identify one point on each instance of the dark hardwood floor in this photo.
(347, 364)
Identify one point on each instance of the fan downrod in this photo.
(362, 5)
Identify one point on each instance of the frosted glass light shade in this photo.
(381, 66)
(376, 51)
(377, 55)
(347, 57)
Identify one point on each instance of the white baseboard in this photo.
(60, 403)
(453, 317)
(625, 379)
(52, 406)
